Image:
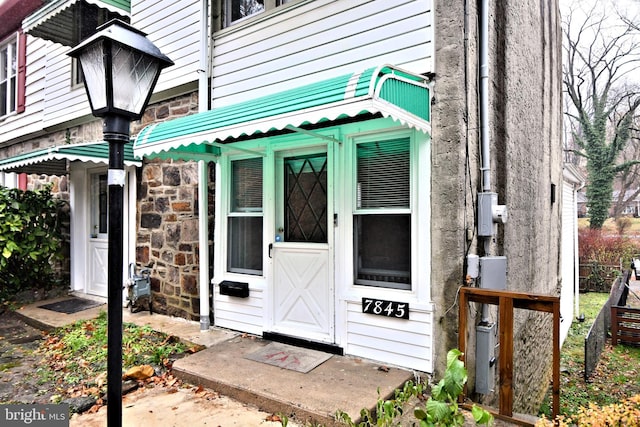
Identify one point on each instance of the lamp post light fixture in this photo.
(120, 67)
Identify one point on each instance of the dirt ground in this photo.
(176, 405)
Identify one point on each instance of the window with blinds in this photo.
(382, 216)
(245, 217)
(383, 174)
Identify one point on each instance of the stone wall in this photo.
(167, 221)
(525, 113)
(88, 132)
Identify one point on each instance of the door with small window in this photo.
(97, 259)
(303, 295)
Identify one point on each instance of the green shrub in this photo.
(30, 239)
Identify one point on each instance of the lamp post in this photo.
(120, 67)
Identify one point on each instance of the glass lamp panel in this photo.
(134, 74)
(92, 63)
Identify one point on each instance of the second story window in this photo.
(13, 72)
(237, 10)
(8, 76)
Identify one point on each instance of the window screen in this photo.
(382, 218)
(383, 174)
(245, 217)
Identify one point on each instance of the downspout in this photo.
(203, 176)
(492, 269)
(483, 59)
(485, 150)
(576, 251)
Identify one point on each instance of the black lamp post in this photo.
(120, 67)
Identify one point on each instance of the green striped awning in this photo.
(387, 90)
(54, 160)
(58, 20)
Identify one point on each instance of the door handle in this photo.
(270, 249)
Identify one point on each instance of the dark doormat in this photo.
(72, 305)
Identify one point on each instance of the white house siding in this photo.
(174, 27)
(397, 342)
(62, 102)
(296, 44)
(242, 314)
(30, 121)
(568, 256)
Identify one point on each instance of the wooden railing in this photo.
(507, 302)
(625, 321)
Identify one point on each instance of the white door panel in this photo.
(98, 267)
(302, 295)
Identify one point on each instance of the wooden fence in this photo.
(625, 321)
(595, 277)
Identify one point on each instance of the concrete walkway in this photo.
(341, 383)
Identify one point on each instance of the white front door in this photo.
(97, 257)
(303, 291)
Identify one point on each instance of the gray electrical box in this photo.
(485, 213)
(485, 358)
(493, 272)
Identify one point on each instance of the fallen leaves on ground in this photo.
(273, 418)
(139, 372)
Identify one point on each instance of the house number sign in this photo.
(381, 307)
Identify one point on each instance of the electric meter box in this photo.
(493, 272)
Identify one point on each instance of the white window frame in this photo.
(10, 48)
(268, 6)
(230, 213)
(383, 136)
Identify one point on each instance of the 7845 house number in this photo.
(381, 307)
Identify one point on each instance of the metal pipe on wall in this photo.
(483, 58)
(203, 176)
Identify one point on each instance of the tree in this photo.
(628, 181)
(601, 51)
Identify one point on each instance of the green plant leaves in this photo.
(440, 410)
(437, 409)
(480, 415)
(30, 238)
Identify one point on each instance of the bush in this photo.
(600, 257)
(30, 239)
(595, 247)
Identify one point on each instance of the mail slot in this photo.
(234, 289)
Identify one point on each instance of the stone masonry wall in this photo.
(167, 220)
(525, 115)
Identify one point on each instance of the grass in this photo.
(75, 356)
(616, 377)
(609, 226)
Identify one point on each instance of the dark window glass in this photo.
(245, 217)
(382, 218)
(306, 199)
(245, 245)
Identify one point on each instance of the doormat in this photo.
(289, 357)
(70, 306)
